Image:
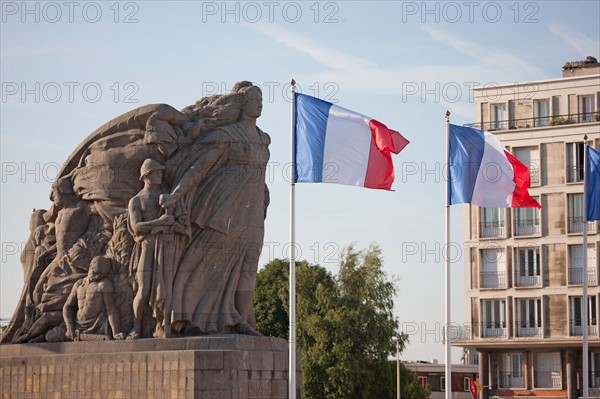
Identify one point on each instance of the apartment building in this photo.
(432, 374)
(524, 267)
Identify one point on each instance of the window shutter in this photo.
(510, 319)
(508, 267)
(555, 106)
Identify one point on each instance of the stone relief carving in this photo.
(155, 228)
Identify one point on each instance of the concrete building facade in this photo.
(432, 374)
(524, 267)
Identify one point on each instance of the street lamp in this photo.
(397, 341)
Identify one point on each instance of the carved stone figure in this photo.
(54, 286)
(220, 181)
(175, 202)
(146, 224)
(22, 318)
(90, 308)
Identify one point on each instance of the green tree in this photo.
(270, 296)
(345, 324)
(409, 383)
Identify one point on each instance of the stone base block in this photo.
(223, 367)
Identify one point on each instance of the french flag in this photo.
(483, 173)
(336, 145)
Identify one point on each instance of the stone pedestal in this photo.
(224, 366)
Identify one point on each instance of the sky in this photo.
(68, 67)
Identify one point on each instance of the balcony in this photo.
(527, 227)
(528, 332)
(511, 379)
(492, 280)
(576, 328)
(493, 331)
(459, 333)
(491, 229)
(574, 173)
(547, 379)
(527, 123)
(528, 281)
(576, 276)
(575, 225)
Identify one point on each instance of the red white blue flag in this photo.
(483, 173)
(336, 145)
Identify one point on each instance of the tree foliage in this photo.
(345, 324)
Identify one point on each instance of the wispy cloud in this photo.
(485, 56)
(578, 41)
(316, 50)
(448, 84)
(42, 51)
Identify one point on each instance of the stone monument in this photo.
(147, 258)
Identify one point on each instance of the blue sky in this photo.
(67, 69)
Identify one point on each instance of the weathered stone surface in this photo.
(169, 207)
(175, 368)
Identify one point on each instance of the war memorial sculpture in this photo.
(148, 257)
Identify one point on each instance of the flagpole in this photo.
(584, 301)
(448, 359)
(292, 315)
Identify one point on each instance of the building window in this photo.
(466, 383)
(585, 105)
(574, 162)
(594, 370)
(576, 320)
(494, 318)
(547, 373)
(511, 370)
(541, 112)
(491, 222)
(529, 317)
(575, 215)
(499, 117)
(576, 264)
(527, 267)
(493, 270)
(434, 382)
(530, 157)
(442, 384)
(526, 221)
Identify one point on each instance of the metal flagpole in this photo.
(448, 359)
(292, 316)
(584, 300)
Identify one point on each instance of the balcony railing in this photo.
(528, 281)
(576, 328)
(528, 332)
(493, 332)
(459, 333)
(511, 379)
(527, 123)
(491, 229)
(527, 227)
(574, 173)
(576, 276)
(547, 379)
(492, 279)
(534, 175)
(576, 225)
